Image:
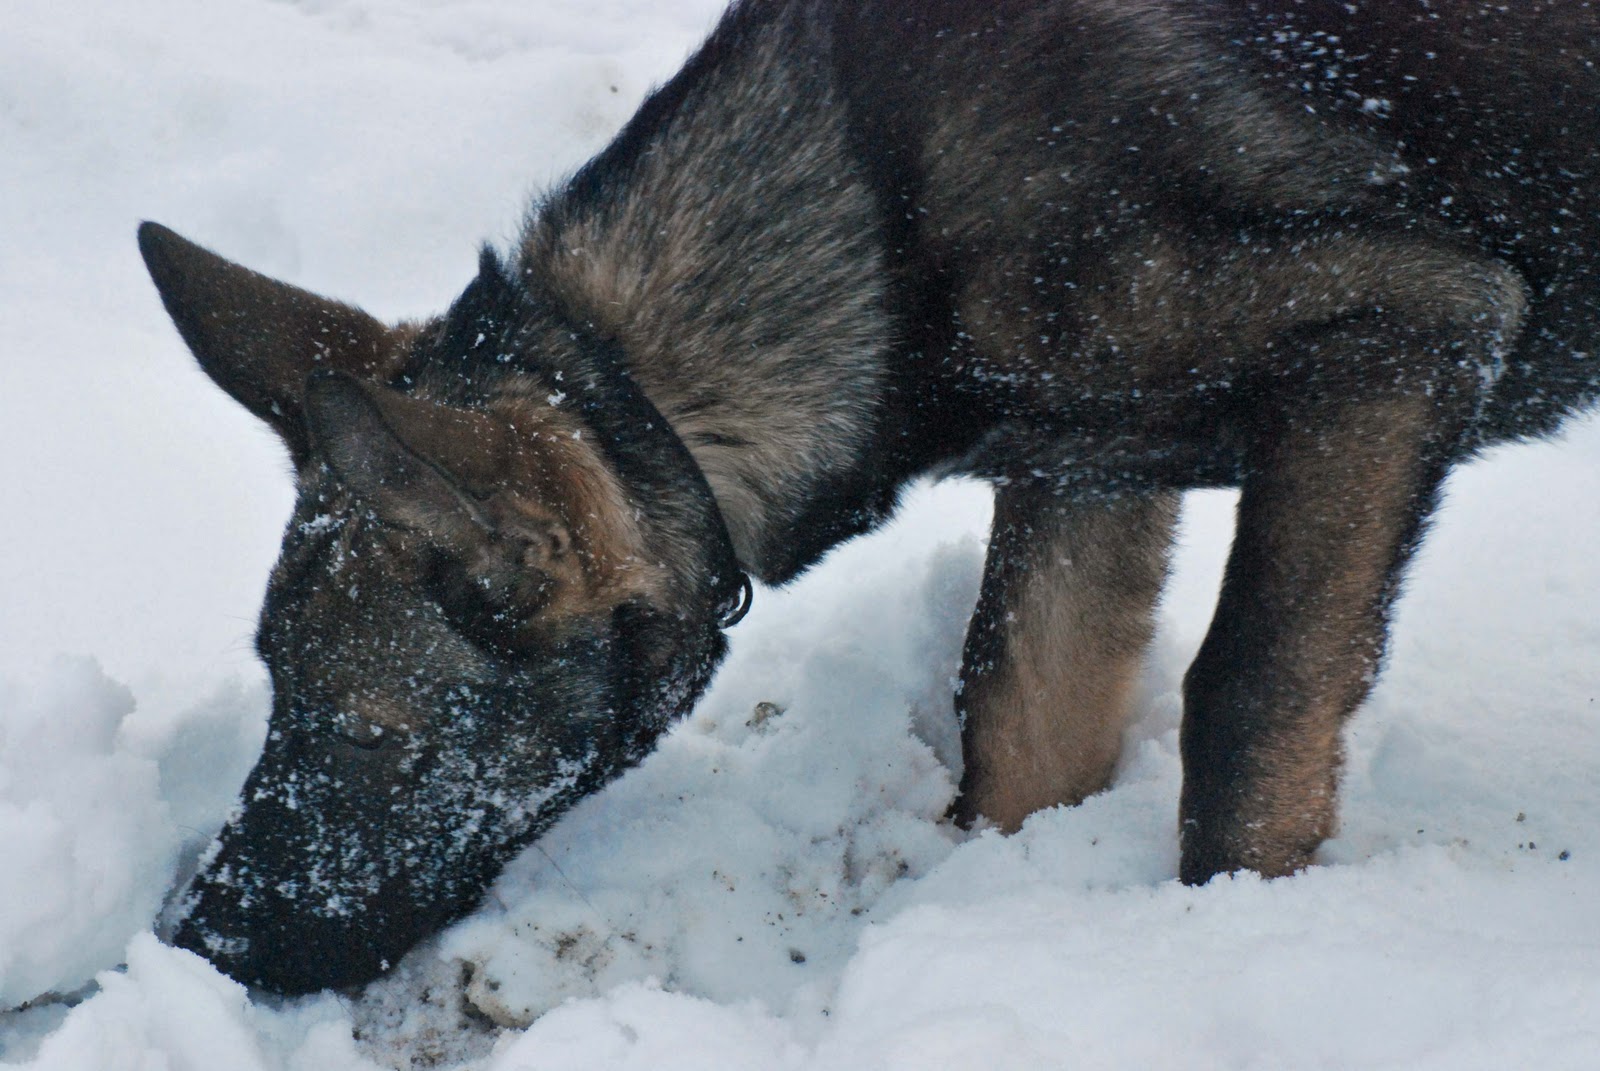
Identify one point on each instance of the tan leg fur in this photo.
(1055, 646)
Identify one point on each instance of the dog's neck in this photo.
(733, 251)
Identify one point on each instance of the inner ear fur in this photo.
(259, 339)
(388, 467)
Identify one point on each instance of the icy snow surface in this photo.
(773, 889)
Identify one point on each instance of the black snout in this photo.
(343, 858)
(347, 850)
(278, 945)
(331, 872)
(299, 897)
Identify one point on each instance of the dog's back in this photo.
(1495, 109)
(1091, 126)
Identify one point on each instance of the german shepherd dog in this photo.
(1094, 251)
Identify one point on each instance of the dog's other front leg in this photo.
(1054, 648)
(1332, 504)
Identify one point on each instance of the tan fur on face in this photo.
(555, 467)
(533, 475)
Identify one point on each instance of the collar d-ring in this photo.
(734, 610)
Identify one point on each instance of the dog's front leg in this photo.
(1054, 648)
(1332, 504)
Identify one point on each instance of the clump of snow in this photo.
(774, 888)
(97, 800)
(82, 821)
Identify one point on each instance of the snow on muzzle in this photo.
(341, 857)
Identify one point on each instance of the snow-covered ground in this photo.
(770, 890)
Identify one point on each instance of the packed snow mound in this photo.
(97, 800)
(88, 842)
(775, 888)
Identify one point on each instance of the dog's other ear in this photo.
(260, 339)
(373, 449)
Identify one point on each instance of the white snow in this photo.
(771, 890)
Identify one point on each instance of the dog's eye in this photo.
(356, 730)
(490, 611)
(493, 626)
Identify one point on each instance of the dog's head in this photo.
(472, 623)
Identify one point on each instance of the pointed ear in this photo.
(362, 440)
(259, 339)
